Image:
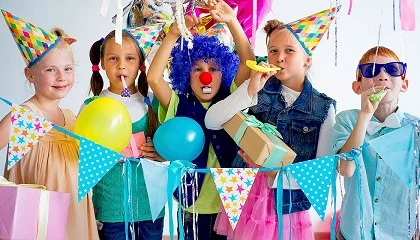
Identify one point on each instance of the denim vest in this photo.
(299, 124)
(224, 146)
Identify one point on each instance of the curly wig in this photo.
(205, 48)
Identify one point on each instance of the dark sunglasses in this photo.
(394, 69)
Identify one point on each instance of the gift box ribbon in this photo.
(43, 209)
(278, 152)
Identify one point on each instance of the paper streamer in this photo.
(407, 14)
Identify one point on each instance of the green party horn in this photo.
(376, 97)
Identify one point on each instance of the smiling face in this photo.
(122, 61)
(204, 88)
(285, 52)
(53, 75)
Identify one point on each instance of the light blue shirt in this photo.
(387, 207)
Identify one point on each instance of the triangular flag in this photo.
(26, 129)
(156, 179)
(94, 162)
(397, 150)
(146, 36)
(309, 30)
(32, 41)
(314, 178)
(233, 186)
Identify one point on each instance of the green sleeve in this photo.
(233, 87)
(166, 114)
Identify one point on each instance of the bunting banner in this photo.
(314, 178)
(26, 129)
(396, 149)
(233, 186)
(94, 162)
(156, 179)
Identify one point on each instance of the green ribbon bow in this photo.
(278, 152)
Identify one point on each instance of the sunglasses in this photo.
(394, 69)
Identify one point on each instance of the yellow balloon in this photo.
(105, 121)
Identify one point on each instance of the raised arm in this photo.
(222, 12)
(357, 136)
(154, 76)
(245, 96)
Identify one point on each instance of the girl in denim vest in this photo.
(303, 116)
(389, 205)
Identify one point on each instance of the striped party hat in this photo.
(309, 30)
(32, 41)
(146, 35)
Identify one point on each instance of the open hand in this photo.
(221, 11)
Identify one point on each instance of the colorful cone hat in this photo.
(309, 30)
(32, 41)
(146, 36)
(221, 31)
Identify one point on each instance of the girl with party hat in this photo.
(200, 77)
(124, 64)
(53, 161)
(304, 117)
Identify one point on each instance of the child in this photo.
(122, 65)
(302, 115)
(53, 161)
(388, 204)
(201, 76)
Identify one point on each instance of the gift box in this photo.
(260, 141)
(131, 150)
(30, 213)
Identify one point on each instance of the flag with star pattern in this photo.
(26, 129)
(233, 186)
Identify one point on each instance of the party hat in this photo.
(32, 41)
(146, 36)
(221, 31)
(309, 30)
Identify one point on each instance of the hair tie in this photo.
(101, 40)
(143, 68)
(95, 68)
(147, 101)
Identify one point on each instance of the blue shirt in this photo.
(388, 204)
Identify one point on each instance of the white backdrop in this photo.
(356, 33)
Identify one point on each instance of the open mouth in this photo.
(206, 90)
(60, 87)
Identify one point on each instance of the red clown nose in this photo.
(206, 78)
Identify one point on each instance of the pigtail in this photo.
(96, 81)
(143, 88)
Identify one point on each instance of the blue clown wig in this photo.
(205, 48)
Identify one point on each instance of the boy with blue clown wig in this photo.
(205, 48)
(201, 76)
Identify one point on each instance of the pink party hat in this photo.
(146, 35)
(32, 41)
(309, 30)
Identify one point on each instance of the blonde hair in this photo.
(375, 51)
